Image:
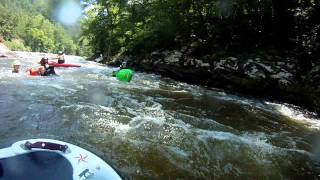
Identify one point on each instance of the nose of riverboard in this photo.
(48, 158)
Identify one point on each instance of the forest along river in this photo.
(155, 127)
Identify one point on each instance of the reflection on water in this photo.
(158, 128)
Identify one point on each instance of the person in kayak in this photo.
(60, 57)
(123, 73)
(46, 69)
(16, 66)
(122, 66)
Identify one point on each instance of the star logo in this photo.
(81, 158)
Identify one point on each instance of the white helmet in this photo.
(16, 63)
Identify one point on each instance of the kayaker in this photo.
(116, 70)
(123, 65)
(60, 57)
(47, 70)
(16, 66)
(44, 70)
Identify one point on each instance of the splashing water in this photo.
(158, 128)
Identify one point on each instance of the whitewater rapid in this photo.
(155, 127)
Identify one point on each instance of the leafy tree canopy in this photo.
(32, 24)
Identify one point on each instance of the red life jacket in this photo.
(35, 71)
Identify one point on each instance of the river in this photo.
(158, 128)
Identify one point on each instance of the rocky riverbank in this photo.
(5, 52)
(267, 76)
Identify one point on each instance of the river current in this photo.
(158, 128)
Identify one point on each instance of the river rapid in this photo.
(158, 128)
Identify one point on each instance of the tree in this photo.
(30, 22)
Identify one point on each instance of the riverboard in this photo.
(49, 159)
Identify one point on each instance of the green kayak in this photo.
(124, 75)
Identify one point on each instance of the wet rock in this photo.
(200, 63)
(232, 58)
(254, 71)
(99, 59)
(228, 64)
(313, 77)
(271, 76)
(166, 53)
(157, 55)
(189, 62)
(174, 57)
(266, 68)
(192, 62)
(184, 49)
(284, 78)
(157, 62)
(206, 65)
(315, 70)
(146, 61)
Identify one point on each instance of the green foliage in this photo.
(7, 23)
(17, 45)
(84, 47)
(140, 26)
(114, 27)
(31, 22)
